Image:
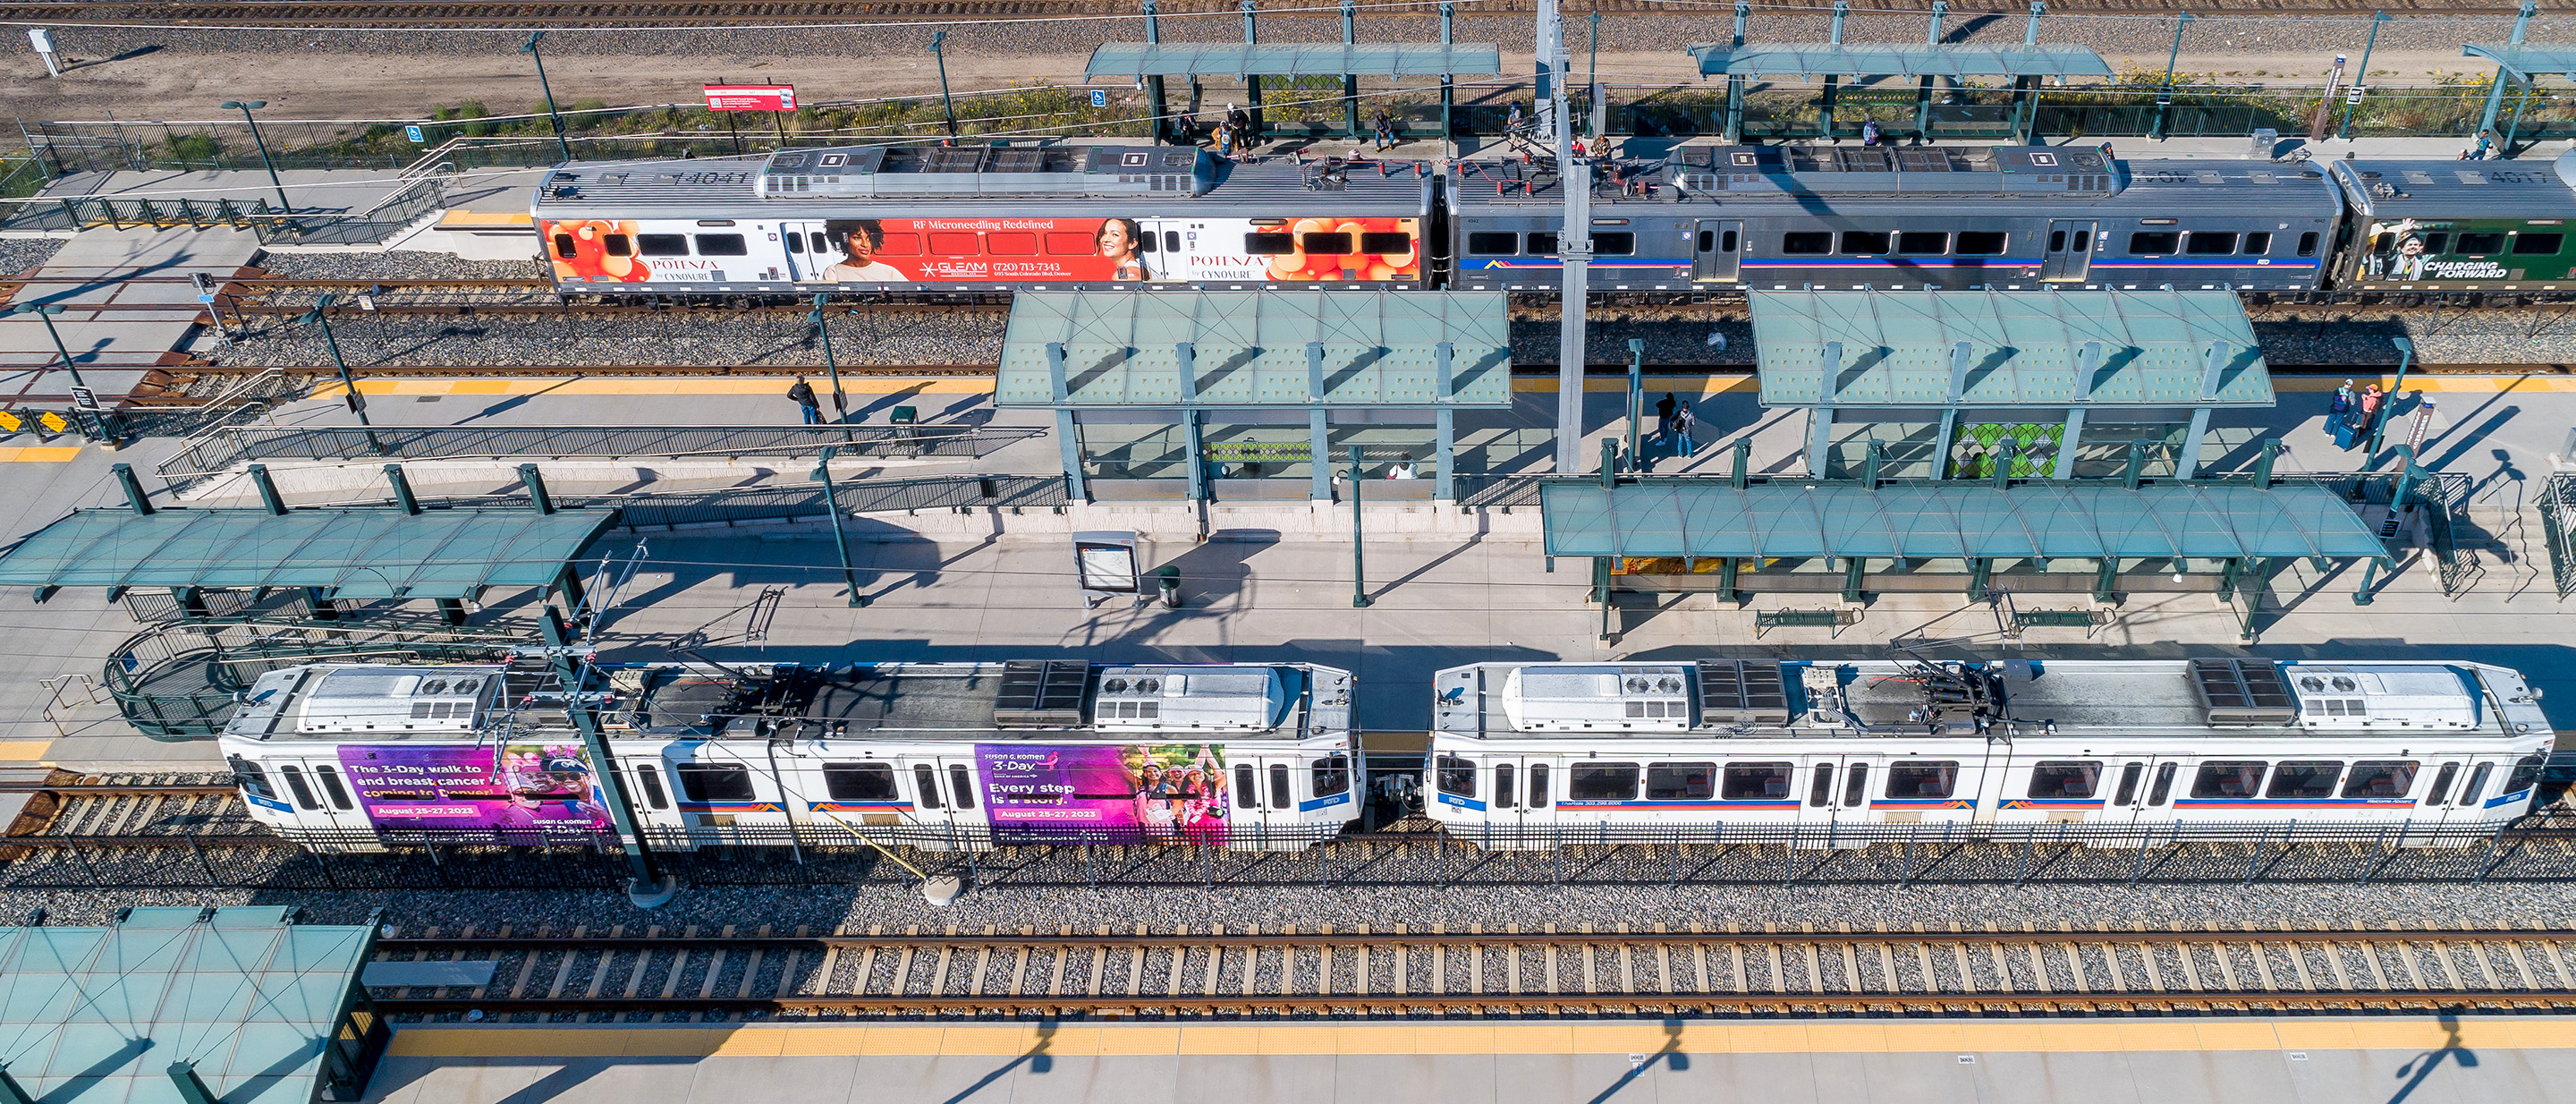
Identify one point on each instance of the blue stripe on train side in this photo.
(1323, 802)
(268, 803)
(2508, 799)
(1462, 802)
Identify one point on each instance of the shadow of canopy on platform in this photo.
(1301, 59)
(1761, 59)
(1798, 519)
(351, 552)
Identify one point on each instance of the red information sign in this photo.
(751, 97)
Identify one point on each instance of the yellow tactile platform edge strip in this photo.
(769, 385)
(38, 454)
(1384, 1039)
(23, 751)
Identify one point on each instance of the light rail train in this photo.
(1248, 755)
(932, 221)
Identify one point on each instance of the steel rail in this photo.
(969, 940)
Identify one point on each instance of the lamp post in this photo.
(823, 335)
(2361, 77)
(2164, 92)
(530, 48)
(939, 39)
(2379, 419)
(832, 506)
(349, 387)
(1359, 564)
(246, 107)
(45, 313)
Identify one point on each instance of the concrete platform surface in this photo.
(113, 327)
(2221, 1061)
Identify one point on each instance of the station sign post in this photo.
(725, 99)
(1104, 562)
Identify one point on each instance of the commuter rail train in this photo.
(929, 221)
(351, 757)
(1521, 751)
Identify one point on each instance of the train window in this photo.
(1538, 785)
(1011, 245)
(1756, 781)
(1385, 241)
(1171, 242)
(662, 245)
(1503, 785)
(1820, 793)
(713, 782)
(339, 794)
(2480, 245)
(955, 245)
(1541, 244)
(1922, 778)
(651, 781)
(859, 781)
(295, 785)
(2083, 241)
(1456, 776)
(1707, 240)
(2228, 778)
(1281, 797)
(2257, 244)
(2304, 780)
(925, 782)
(2437, 243)
(249, 777)
(1271, 245)
(2526, 773)
(1483, 243)
(1602, 782)
(620, 245)
(1929, 243)
(2203, 243)
(1726, 242)
(1332, 775)
(896, 245)
(2380, 780)
(2441, 783)
(2128, 784)
(961, 786)
(721, 245)
(1063, 244)
(795, 242)
(2308, 244)
(2537, 245)
(1979, 243)
(2153, 243)
(2057, 241)
(1328, 243)
(1615, 243)
(2163, 788)
(2065, 779)
(1855, 785)
(1865, 243)
(1807, 243)
(2469, 794)
(1247, 795)
(1680, 781)
(565, 246)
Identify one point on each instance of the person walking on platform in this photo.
(2339, 415)
(803, 393)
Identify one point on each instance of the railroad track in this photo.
(1516, 969)
(700, 13)
(163, 808)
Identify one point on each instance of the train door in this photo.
(2459, 790)
(2070, 251)
(1717, 254)
(1820, 804)
(649, 791)
(1522, 800)
(945, 799)
(2127, 783)
(1261, 796)
(324, 804)
(809, 250)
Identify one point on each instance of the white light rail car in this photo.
(2117, 752)
(353, 757)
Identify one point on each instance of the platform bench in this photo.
(1765, 620)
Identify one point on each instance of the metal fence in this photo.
(2558, 525)
(182, 680)
(2241, 854)
(373, 226)
(232, 445)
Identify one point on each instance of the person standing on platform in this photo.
(2339, 415)
(803, 393)
(1683, 420)
(2373, 400)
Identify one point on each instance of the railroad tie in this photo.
(1135, 966)
(2263, 965)
(983, 961)
(2334, 962)
(1851, 967)
(2378, 970)
(599, 967)
(635, 969)
(1020, 968)
(1735, 951)
(2191, 967)
(1552, 986)
(707, 984)
(1699, 954)
(1663, 963)
(527, 968)
(1099, 964)
(751, 968)
(939, 970)
(1627, 963)
(868, 963)
(2558, 962)
(1887, 980)
(1439, 967)
(1288, 963)
(2038, 967)
(2414, 973)
(2003, 968)
(1215, 966)
(789, 982)
(2443, 951)
(1055, 983)
(903, 968)
(2522, 966)
(2111, 957)
(1180, 964)
(1476, 962)
(1815, 970)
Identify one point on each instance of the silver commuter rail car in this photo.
(351, 757)
(1525, 754)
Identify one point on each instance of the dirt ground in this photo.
(176, 86)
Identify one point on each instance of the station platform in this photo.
(115, 328)
(2212, 1061)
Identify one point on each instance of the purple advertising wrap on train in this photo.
(1042, 791)
(497, 789)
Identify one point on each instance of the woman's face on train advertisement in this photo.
(1114, 240)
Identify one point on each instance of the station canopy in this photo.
(2525, 62)
(356, 552)
(1292, 59)
(1767, 59)
(1299, 349)
(2005, 349)
(99, 1014)
(1714, 518)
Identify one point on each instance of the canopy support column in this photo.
(1820, 440)
(2065, 468)
(1193, 438)
(1852, 569)
(1068, 435)
(1980, 578)
(1351, 81)
(1734, 109)
(1942, 441)
(2495, 92)
(1444, 439)
(2107, 580)
(1252, 81)
(1448, 81)
(2187, 463)
(1161, 125)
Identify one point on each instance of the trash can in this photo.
(1167, 579)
